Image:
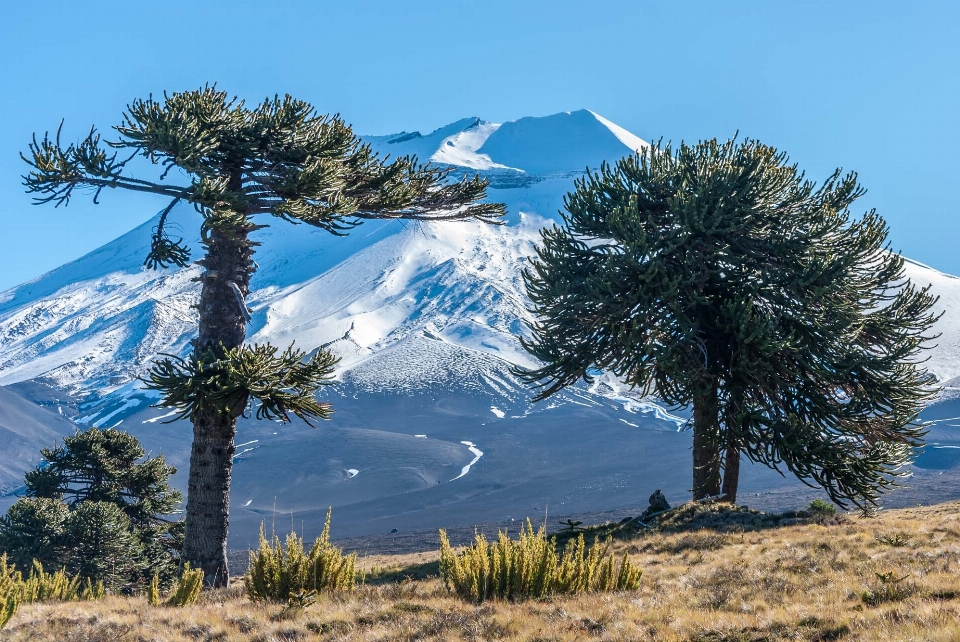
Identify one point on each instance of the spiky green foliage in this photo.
(281, 386)
(94, 540)
(818, 506)
(32, 529)
(302, 599)
(92, 590)
(42, 586)
(188, 587)
(291, 162)
(153, 591)
(10, 577)
(9, 591)
(102, 545)
(277, 572)
(100, 509)
(529, 567)
(9, 603)
(716, 275)
(107, 465)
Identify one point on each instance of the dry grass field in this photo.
(709, 574)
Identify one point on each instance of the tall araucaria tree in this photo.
(278, 159)
(716, 276)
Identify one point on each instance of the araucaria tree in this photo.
(100, 508)
(278, 159)
(716, 276)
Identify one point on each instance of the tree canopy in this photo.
(100, 507)
(717, 276)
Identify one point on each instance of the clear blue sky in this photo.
(872, 86)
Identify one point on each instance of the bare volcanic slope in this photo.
(431, 428)
(25, 428)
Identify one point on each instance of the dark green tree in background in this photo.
(716, 276)
(279, 159)
(100, 508)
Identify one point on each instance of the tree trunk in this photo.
(706, 437)
(208, 495)
(731, 475)
(222, 327)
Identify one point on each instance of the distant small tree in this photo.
(278, 160)
(716, 276)
(97, 506)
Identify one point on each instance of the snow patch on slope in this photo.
(461, 148)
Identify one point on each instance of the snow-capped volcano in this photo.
(94, 324)
(426, 318)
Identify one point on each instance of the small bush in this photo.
(187, 590)
(888, 588)
(531, 568)
(897, 540)
(277, 572)
(41, 586)
(153, 593)
(820, 507)
(9, 601)
(8, 608)
(10, 577)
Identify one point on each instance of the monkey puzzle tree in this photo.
(99, 507)
(278, 159)
(716, 276)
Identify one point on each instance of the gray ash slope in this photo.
(25, 428)
(426, 318)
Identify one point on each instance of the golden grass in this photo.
(792, 582)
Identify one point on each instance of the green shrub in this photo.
(187, 590)
(9, 595)
(818, 506)
(32, 530)
(41, 586)
(9, 603)
(104, 547)
(153, 593)
(277, 572)
(10, 577)
(530, 568)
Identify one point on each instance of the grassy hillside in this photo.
(709, 575)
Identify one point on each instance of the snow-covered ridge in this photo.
(559, 143)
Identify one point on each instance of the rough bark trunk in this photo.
(208, 496)
(731, 475)
(706, 437)
(222, 327)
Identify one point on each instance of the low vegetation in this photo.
(277, 572)
(529, 567)
(187, 590)
(710, 574)
(40, 586)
